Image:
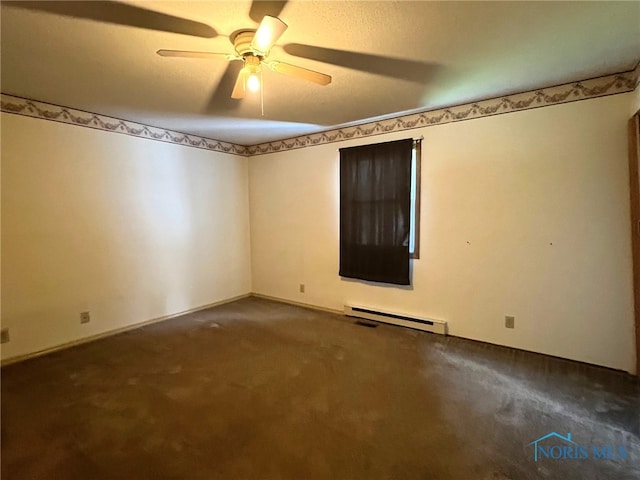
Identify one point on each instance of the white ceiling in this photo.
(385, 57)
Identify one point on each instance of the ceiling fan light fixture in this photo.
(253, 82)
(252, 68)
(252, 48)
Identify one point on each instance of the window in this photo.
(379, 209)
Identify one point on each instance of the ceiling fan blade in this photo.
(399, 68)
(120, 14)
(260, 8)
(220, 100)
(239, 88)
(303, 73)
(190, 54)
(268, 33)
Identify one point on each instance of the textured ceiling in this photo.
(384, 57)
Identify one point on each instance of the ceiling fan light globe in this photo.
(253, 83)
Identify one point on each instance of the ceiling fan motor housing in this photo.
(242, 43)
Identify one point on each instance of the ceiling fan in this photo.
(252, 48)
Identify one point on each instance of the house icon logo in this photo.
(554, 446)
(548, 452)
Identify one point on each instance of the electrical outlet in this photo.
(4, 335)
(85, 317)
(302, 288)
(510, 322)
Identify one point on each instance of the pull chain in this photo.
(261, 93)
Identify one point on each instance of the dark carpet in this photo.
(262, 390)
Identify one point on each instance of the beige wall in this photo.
(523, 214)
(126, 228)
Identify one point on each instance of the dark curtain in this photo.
(375, 202)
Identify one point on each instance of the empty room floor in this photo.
(256, 389)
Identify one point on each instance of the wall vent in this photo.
(426, 324)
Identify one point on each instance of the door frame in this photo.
(634, 191)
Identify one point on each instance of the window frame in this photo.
(414, 231)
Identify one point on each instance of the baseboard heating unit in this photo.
(426, 324)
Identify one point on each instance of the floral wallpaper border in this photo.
(46, 111)
(570, 92)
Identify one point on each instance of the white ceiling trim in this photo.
(570, 92)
